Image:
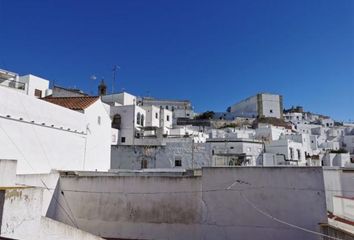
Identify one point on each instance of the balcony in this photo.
(12, 84)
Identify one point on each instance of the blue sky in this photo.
(211, 52)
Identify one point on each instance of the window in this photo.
(166, 107)
(178, 162)
(99, 120)
(144, 163)
(122, 139)
(167, 118)
(231, 147)
(156, 115)
(298, 154)
(138, 118)
(291, 153)
(142, 119)
(37, 93)
(116, 121)
(271, 110)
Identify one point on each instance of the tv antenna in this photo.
(114, 70)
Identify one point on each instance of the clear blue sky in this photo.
(211, 52)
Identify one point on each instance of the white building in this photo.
(262, 105)
(269, 132)
(179, 108)
(332, 159)
(236, 152)
(43, 136)
(35, 86)
(119, 99)
(28, 84)
(291, 152)
(128, 119)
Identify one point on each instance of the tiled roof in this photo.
(74, 103)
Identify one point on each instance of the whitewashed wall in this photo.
(213, 206)
(99, 137)
(129, 124)
(39, 148)
(42, 136)
(33, 82)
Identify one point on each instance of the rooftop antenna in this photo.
(115, 69)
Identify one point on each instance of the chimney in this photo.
(102, 88)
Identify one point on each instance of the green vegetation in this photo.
(205, 115)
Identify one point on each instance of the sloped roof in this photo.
(74, 103)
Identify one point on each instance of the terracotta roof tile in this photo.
(74, 103)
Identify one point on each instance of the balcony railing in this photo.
(12, 84)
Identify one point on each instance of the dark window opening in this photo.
(178, 163)
(142, 119)
(138, 119)
(122, 139)
(116, 121)
(298, 154)
(38, 93)
(144, 163)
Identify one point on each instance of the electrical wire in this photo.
(282, 221)
(42, 181)
(229, 188)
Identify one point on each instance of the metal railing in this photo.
(12, 84)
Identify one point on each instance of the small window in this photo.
(166, 107)
(231, 147)
(122, 139)
(156, 115)
(142, 120)
(37, 93)
(116, 121)
(138, 118)
(99, 120)
(178, 163)
(144, 163)
(298, 154)
(271, 110)
(291, 153)
(167, 118)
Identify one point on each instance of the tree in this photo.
(205, 115)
